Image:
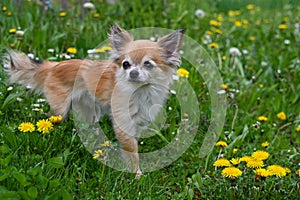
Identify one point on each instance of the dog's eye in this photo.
(126, 64)
(148, 65)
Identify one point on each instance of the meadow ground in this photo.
(255, 47)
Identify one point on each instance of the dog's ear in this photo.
(171, 43)
(119, 37)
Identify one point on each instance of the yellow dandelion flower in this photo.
(213, 45)
(215, 23)
(221, 144)
(252, 38)
(4, 8)
(44, 126)
(222, 162)
(235, 150)
(237, 23)
(235, 161)
(245, 158)
(105, 144)
(298, 171)
(262, 172)
(277, 170)
(72, 50)
(231, 172)
(298, 128)
(9, 14)
(260, 155)
(96, 15)
(103, 49)
(281, 116)
(262, 118)
(250, 6)
(282, 26)
(26, 127)
(237, 12)
(265, 144)
(225, 87)
(55, 119)
(287, 170)
(285, 19)
(62, 14)
(260, 85)
(12, 30)
(255, 163)
(97, 154)
(218, 31)
(183, 72)
(224, 58)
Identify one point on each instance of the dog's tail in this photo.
(26, 71)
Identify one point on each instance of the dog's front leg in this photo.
(129, 145)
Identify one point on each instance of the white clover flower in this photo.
(10, 88)
(264, 63)
(235, 51)
(221, 92)
(200, 13)
(30, 55)
(19, 99)
(51, 50)
(245, 52)
(287, 42)
(89, 5)
(153, 39)
(19, 33)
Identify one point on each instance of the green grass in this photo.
(263, 81)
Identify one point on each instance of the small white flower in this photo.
(19, 33)
(170, 108)
(175, 77)
(88, 5)
(235, 51)
(245, 52)
(200, 13)
(173, 91)
(36, 105)
(264, 64)
(287, 42)
(30, 55)
(19, 99)
(91, 51)
(152, 39)
(28, 87)
(51, 50)
(10, 88)
(221, 92)
(40, 100)
(181, 52)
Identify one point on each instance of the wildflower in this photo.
(183, 72)
(281, 116)
(262, 172)
(231, 172)
(222, 162)
(261, 86)
(235, 51)
(213, 45)
(237, 23)
(44, 126)
(88, 5)
(260, 155)
(277, 170)
(19, 33)
(287, 170)
(10, 88)
(215, 23)
(255, 163)
(221, 144)
(62, 14)
(103, 49)
(12, 30)
(245, 158)
(55, 119)
(287, 42)
(250, 6)
(97, 154)
(282, 26)
(298, 128)
(26, 127)
(96, 15)
(298, 172)
(224, 57)
(4, 8)
(200, 13)
(262, 118)
(252, 38)
(9, 14)
(105, 144)
(235, 150)
(265, 144)
(72, 50)
(235, 161)
(225, 87)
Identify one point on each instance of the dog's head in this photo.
(144, 61)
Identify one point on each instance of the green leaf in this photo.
(10, 99)
(11, 195)
(32, 192)
(66, 195)
(54, 183)
(21, 178)
(56, 162)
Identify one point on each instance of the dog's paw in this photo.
(138, 174)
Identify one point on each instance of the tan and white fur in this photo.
(133, 84)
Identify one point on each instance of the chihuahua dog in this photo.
(133, 84)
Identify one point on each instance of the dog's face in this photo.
(144, 61)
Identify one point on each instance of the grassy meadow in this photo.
(256, 48)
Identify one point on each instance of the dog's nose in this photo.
(134, 74)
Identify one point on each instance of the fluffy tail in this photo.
(26, 71)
